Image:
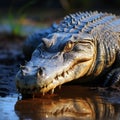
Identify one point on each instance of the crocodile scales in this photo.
(82, 48)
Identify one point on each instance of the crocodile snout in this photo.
(26, 80)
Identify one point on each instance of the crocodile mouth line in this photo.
(59, 79)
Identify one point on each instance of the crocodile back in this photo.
(87, 21)
(105, 29)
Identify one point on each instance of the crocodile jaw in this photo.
(43, 85)
(44, 74)
(31, 83)
(67, 76)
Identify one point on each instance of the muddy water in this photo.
(69, 103)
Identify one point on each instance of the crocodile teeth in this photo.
(38, 74)
(52, 91)
(66, 74)
(55, 82)
(60, 86)
(43, 93)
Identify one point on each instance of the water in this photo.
(7, 111)
(69, 103)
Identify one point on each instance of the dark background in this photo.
(73, 4)
(25, 6)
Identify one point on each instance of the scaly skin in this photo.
(81, 48)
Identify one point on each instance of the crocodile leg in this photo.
(113, 78)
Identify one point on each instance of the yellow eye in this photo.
(68, 47)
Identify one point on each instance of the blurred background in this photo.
(14, 14)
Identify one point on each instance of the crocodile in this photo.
(82, 49)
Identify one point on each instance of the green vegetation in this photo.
(16, 22)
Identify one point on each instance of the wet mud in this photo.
(10, 58)
(67, 103)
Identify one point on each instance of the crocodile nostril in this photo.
(40, 71)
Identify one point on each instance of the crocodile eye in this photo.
(68, 47)
(77, 47)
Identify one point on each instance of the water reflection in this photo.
(69, 103)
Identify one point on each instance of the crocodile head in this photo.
(60, 58)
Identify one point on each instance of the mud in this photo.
(10, 58)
